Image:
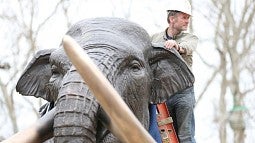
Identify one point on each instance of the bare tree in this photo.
(23, 23)
(234, 37)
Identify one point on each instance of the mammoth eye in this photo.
(135, 66)
(55, 71)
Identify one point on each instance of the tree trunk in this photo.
(222, 103)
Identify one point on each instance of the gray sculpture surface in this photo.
(122, 50)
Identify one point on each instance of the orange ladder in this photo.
(165, 124)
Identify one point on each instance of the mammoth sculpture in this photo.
(141, 74)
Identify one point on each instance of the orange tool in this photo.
(165, 124)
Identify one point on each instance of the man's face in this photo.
(180, 21)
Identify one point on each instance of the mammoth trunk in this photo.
(75, 118)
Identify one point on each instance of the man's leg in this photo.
(181, 107)
(153, 128)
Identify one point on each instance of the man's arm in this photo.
(188, 44)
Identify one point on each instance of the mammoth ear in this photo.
(36, 75)
(170, 73)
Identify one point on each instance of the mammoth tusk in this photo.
(124, 124)
(38, 132)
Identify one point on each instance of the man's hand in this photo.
(169, 44)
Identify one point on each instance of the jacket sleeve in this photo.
(189, 42)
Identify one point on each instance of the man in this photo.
(182, 103)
